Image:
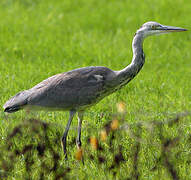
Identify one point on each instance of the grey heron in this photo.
(81, 88)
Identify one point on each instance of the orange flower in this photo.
(121, 107)
(79, 154)
(114, 124)
(94, 143)
(103, 135)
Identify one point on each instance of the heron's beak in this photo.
(171, 29)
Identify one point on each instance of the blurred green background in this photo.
(41, 38)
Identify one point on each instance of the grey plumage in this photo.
(80, 88)
(71, 90)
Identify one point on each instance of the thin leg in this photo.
(80, 118)
(72, 113)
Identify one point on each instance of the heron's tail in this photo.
(12, 109)
(17, 102)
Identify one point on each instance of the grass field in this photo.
(42, 38)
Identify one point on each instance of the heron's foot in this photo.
(66, 157)
(78, 144)
(65, 154)
(63, 144)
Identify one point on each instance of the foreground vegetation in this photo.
(118, 150)
(42, 38)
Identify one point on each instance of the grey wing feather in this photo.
(16, 102)
(73, 89)
(70, 90)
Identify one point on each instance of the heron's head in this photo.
(153, 28)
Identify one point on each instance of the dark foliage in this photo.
(42, 151)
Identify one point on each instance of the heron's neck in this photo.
(129, 72)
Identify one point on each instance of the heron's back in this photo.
(71, 90)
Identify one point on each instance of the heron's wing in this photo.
(72, 89)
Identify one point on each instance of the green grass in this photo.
(42, 38)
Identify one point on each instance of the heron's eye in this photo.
(153, 27)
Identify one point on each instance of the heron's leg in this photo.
(80, 118)
(72, 113)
